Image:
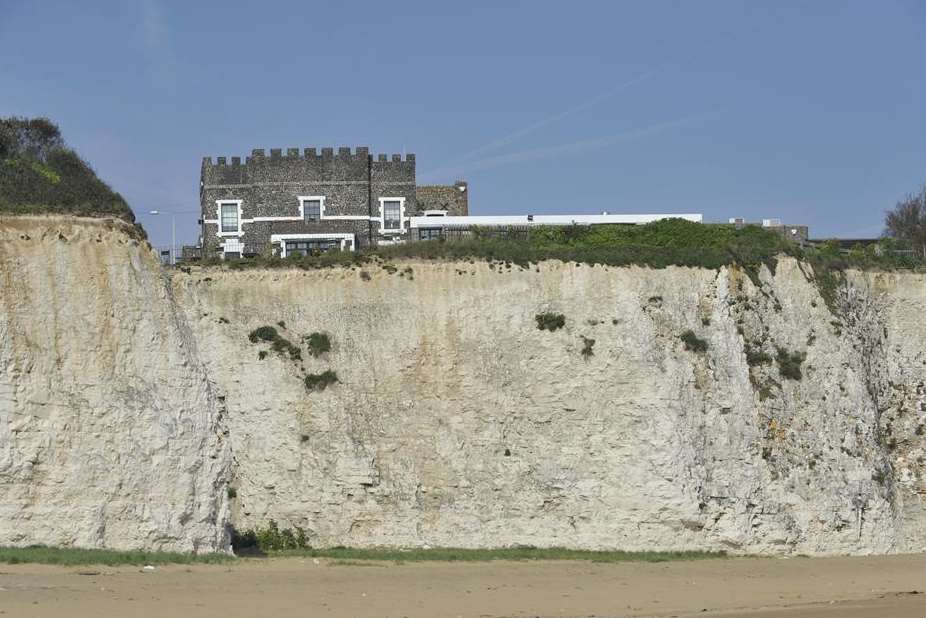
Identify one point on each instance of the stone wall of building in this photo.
(452, 198)
(352, 183)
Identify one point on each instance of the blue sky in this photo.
(807, 111)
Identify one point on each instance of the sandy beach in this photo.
(887, 587)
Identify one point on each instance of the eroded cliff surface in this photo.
(131, 403)
(457, 422)
(109, 430)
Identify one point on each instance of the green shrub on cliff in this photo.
(320, 381)
(39, 174)
(550, 321)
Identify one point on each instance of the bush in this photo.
(320, 381)
(271, 538)
(40, 175)
(789, 363)
(550, 321)
(264, 333)
(318, 343)
(279, 344)
(693, 343)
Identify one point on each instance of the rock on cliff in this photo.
(109, 429)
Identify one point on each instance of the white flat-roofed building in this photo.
(436, 224)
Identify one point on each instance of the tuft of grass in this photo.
(789, 363)
(318, 343)
(693, 343)
(320, 381)
(550, 321)
(588, 346)
(40, 554)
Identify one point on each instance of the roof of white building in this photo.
(502, 220)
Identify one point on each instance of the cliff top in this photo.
(39, 174)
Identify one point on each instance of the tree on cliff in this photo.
(39, 174)
(908, 221)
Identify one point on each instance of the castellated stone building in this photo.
(302, 202)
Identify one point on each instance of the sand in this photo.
(886, 587)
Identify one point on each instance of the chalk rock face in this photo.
(109, 429)
(455, 421)
(132, 403)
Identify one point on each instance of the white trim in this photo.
(311, 198)
(434, 213)
(491, 221)
(382, 215)
(232, 245)
(343, 237)
(218, 217)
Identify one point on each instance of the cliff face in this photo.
(455, 420)
(109, 429)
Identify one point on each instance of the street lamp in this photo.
(173, 233)
(173, 229)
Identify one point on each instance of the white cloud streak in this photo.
(508, 139)
(561, 150)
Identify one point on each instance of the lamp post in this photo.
(173, 232)
(173, 228)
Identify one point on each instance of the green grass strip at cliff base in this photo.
(449, 554)
(66, 556)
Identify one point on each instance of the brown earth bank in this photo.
(889, 587)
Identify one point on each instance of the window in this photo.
(229, 217)
(429, 233)
(308, 247)
(312, 210)
(392, 215)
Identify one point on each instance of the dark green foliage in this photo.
(789, 363)
(320, 381)
(264, 333)
(40, 175)
(693, 343)
(318, 343)
(756, 356)
(269, 539)
(232, 493)
(279, 344)
(588, 346)
(550, 321)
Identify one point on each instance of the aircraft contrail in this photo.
(571, 148)
(504, 141)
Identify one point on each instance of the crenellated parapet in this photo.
(343, 154)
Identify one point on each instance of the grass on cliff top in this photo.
(40, 554)
(40, 175)
(670, 242)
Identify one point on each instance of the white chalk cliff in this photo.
(131, 401)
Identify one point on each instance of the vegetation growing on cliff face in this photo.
(319, 343)
(320, 381)
(39, 174)
(278, 343)
(693, 343)
(789, 363)
(550, 321)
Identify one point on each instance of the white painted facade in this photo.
(506, 220)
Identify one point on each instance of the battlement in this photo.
(343, 153)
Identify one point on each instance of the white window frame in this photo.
(218, 217)
(280, 239)
(311, 198)
(382, 215)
